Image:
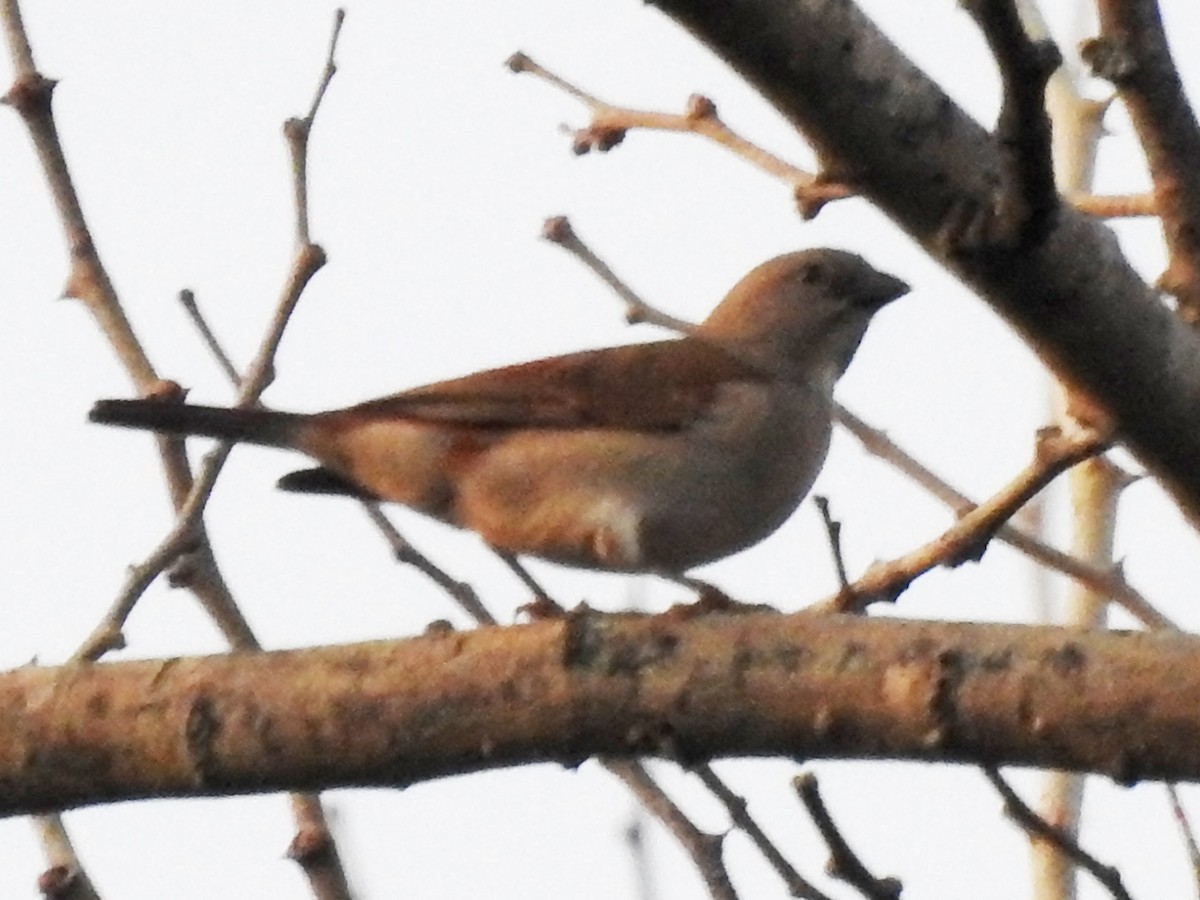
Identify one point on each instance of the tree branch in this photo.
(1026, 198)
(844, 864)
(1040, 829)
(392, 713)
(1132, 53)
(880, 124)
(968, 538)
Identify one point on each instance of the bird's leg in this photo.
(543, 606)
(709, 597)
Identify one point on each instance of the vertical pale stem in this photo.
(1094, 485)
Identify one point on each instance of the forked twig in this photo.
(1020, 813)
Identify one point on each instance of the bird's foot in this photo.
(710, 600)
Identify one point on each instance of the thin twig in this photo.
(844, 863)
(187, 299)
(1115, 206)
(1025, 817)
(64, 877)
(297, 132)
(969, 537)
(1110, 581)
(558, 230)
(88, 279)
(182, 537)
(705, 849)
(610, 123)
(635, 842)
(543, 605)
(833, 529)
(1186, 832)
(314, 849)
(461, 592)
(307, 262)
(739, 813)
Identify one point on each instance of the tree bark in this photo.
(880, 124)
(691, 688)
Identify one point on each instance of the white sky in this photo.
(432, 169)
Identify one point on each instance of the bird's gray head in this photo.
(802, 314)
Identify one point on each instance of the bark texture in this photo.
(755, 684)
(882, 125)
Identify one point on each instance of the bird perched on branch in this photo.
(650, 457)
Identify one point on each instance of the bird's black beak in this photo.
(883, 289)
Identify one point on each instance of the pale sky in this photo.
(432, 168)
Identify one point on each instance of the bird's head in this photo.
(802, 314)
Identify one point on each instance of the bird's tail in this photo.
(253, 426)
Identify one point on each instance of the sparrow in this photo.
(654, 457)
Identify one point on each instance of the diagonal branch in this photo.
(1076, 300)
(610, 124)
(1132, 53)
(1038, 827)
(968, 538)
(1026, 197)
(844, 864)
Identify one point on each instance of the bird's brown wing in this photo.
(663, 386)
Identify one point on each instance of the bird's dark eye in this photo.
(812, 273)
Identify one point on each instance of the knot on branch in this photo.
(30, 95)
(1110, 59)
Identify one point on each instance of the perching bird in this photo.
(650, 457)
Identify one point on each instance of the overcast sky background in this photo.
(432, 169)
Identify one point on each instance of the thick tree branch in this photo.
(1026, 198)
(880, 124)
(391, 713)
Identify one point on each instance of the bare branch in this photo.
(558, 230)
(1026, 198)
(585, 684)
(830, 71)
(88, 279)
(1133, 54)
(187, 299)
(844, 863)
(969, 537)
(64, 877)
(833, 530)
(462, 593)
(200, 572)
(1020, 813)
(315, 851)
(706, 850)
(1115, 206)
(1186, 832)
(739, 812)
(610, 123)
(297, 131)
(1109, 581)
